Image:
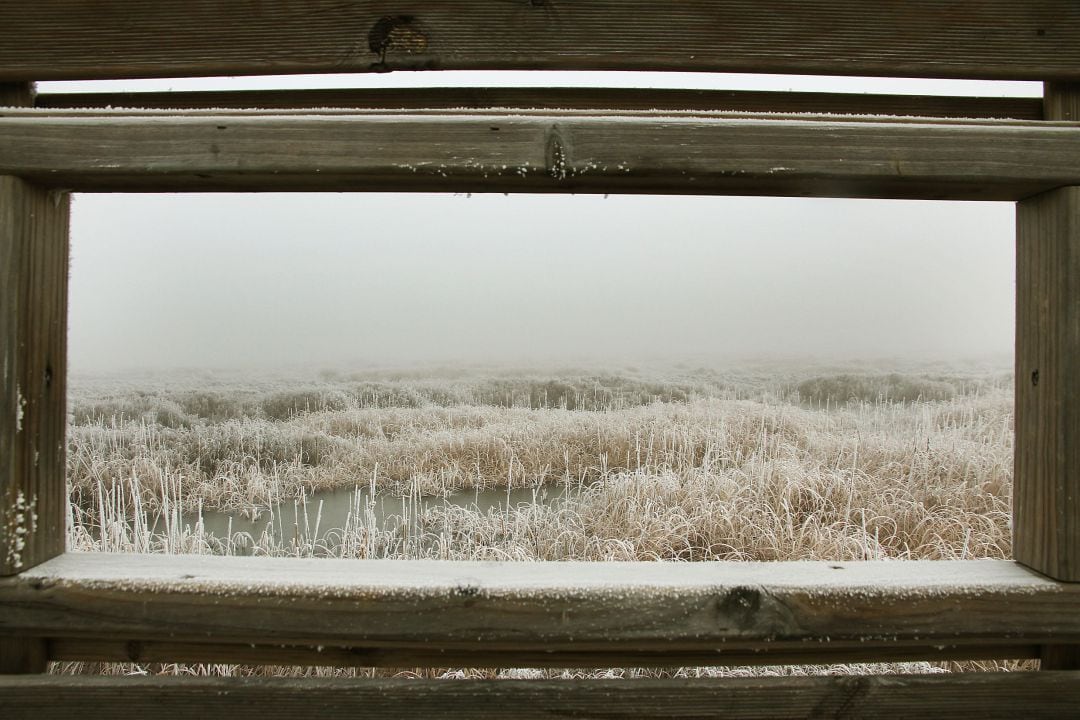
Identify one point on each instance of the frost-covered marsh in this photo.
(669, 464)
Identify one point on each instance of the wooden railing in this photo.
(79, 606)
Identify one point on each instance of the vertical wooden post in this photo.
(1061, 101)
(33, 370)
(1046, 490)
(1046, 482)
(1059, 657)
(33, 373)
(20, 655)
(16, 94)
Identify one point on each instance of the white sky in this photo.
(335, 279)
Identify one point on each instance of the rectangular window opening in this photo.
(541, 377)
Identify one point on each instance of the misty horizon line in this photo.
(568, 363)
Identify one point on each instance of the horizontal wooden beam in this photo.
(513, 610)
(569, 152)
(968, 695)
(992, 39)
(570, 98)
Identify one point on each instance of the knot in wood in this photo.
(398, 33)
(740, 606)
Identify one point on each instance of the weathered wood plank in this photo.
(12, 248)
(526, 609)
(1046, 491)
(508, 152)
(993, 39)
(165, 651)
(33, 343)
(1061, 101)
(33, 336)
(969, 695)
(557, 98)
(1059, 657)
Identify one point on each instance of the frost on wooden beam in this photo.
(1046, 507)
(520, 610)
(156, 151)
(991, 39)
(33, 356)
(973, 695)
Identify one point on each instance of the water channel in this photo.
(321, 515)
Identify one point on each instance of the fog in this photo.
(335, 280)
(339, 280)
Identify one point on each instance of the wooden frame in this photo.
(85, 606)
(987, 39)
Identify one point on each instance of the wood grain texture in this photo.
(520, 152)
(33, 342)
(969, 695)
(557, 98)
(1061, 101)
(16, 94)
(992, 39)
(23, 655)
(526, 609)
(1046, 490)
(166, 651)
(1059, 657)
